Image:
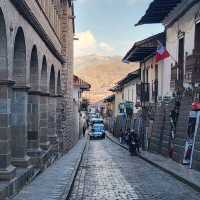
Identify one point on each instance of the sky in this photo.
(106, 27)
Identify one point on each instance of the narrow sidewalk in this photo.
(184, 174)
(56, 181)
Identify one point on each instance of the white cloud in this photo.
(106, 47)
(87, 44)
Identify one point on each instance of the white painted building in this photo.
(126, 93)
(79, 87)
(152, 72)
(182, 25)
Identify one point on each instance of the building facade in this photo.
(152, 72)
(36, 83)
(126, 93)
(171, 126)
(80, 86)
(181, 22)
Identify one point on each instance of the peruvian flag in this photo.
(161, 52)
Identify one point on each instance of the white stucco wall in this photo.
(185, 24)
(130, 93)
(150, 65)
(118, 100)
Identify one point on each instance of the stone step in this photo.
(196, 165)
(180, 141)
(155, 140)
(166, 138)
(165, 152)
(177, 157)
(196, 155)
(179, 149)
(154, 148)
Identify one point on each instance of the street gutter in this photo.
(68, 190)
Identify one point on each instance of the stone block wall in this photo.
(36, 88)
(181, 129)
(160, 140)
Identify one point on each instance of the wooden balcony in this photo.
(144, 92)
(174, 73)
(154, 88)
(192, 68)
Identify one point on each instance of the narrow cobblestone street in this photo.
(108, 172)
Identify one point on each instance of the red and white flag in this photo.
(161, 52)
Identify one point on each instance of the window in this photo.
(181, 59)
(197, 37)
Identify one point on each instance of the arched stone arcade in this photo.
(7, 171)
(28, 100)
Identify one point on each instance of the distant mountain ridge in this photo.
(102, 72)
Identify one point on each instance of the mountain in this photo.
(102, 72)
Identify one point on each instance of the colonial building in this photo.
(181, 77)
(126, 94)
(110, 106)
(80, 86)
(36, 86)
(152, 72)
(124, 104)
(181, 21)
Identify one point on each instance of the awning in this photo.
(130, 77)
(144, 48)
(140, 53)
(157, 11)
(109, 98)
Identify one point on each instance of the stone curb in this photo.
(165, 169)
(67, 192)
(64, 191)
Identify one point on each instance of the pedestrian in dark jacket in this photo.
(134, 143)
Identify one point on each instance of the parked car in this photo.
(97, 129)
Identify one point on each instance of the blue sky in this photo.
(107, 26)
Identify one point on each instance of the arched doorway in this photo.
(34, 71)
(3, 49)
(59, 90)
(19, 103)
(19, 61)
(6, 170)
(43, 131)
(33, 106)
(52, 110)
(43, 81)
(52, 86)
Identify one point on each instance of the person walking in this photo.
(84, 128)
(131, 143)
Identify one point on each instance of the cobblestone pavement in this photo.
(108, 172)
